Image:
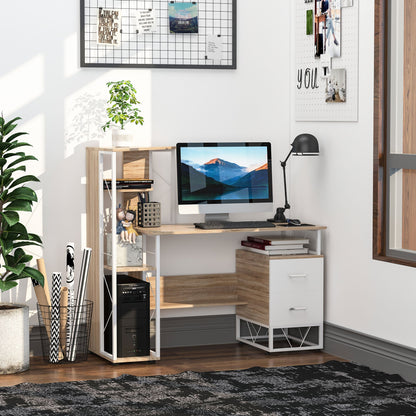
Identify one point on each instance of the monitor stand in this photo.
(217, 217)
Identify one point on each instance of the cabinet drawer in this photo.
(296, 291)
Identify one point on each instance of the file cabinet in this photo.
(284, 298)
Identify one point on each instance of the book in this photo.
(263, 246)
(275, 240)
(278, 252)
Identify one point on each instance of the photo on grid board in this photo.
(335, 91)
(328, 28)
(183, 17)
(108, 28)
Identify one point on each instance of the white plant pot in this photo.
(122, 138)
(14, 338)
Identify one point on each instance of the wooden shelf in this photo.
(121, 360)
(126, 269)
(133, 149)
(135, 191)
(166, 305)
(189, 229)
(290, 256)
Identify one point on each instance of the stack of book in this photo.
(129, 183)
(276, 245)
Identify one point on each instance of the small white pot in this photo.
(14, 338)
(122, 138)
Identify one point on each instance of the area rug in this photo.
(333, 388)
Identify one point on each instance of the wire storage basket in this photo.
(65, 334)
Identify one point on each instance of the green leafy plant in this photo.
(123, 100)
(14, 198)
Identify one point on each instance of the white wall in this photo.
(63, 106)
(373, 297)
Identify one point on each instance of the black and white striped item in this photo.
(55, 318)
(70, 273)
(82, 285)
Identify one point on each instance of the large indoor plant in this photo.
(15, 197)
(122, 111)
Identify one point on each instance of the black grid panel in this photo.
(161, 49)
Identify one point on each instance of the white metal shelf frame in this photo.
(154, 354)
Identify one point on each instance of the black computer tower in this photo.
(133, 317)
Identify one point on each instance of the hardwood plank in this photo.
(174, 360)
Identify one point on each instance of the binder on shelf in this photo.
(275, 240)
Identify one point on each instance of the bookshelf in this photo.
(106, 163)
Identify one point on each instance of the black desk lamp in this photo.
(303, 145)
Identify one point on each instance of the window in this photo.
(395, 132)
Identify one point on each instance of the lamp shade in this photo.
(305, 145)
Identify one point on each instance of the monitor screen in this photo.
(212, 174)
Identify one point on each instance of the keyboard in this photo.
(223, 225)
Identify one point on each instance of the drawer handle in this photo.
(297, 276)
(299, 308)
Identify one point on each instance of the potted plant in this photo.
(123, 110)
(15, 197)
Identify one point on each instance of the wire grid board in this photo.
(310, 104)
(160, 49)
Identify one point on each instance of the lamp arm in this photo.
(280, 212)
(283, 164)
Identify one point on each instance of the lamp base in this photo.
(280, 215)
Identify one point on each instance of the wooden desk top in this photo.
(189, 229)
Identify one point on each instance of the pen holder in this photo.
(148, 214)
(54, 329)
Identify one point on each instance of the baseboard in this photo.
(177, 332)
(370, 351)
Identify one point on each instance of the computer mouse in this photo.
(294, 222)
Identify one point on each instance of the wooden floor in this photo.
(174, 360)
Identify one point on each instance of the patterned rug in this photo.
(333, 388)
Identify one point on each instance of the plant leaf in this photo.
(9, 123)
(34, 238)
(19, 206)
(23, 179)
(14, 136)
(11, 217)
(26, 243)
(18, 269)
(35, 274)
(21, 160)
(22, 193)
(7, 285)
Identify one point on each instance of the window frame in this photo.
(383, 160)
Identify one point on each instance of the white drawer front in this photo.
(296, 291)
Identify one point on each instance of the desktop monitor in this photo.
(222, 178)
